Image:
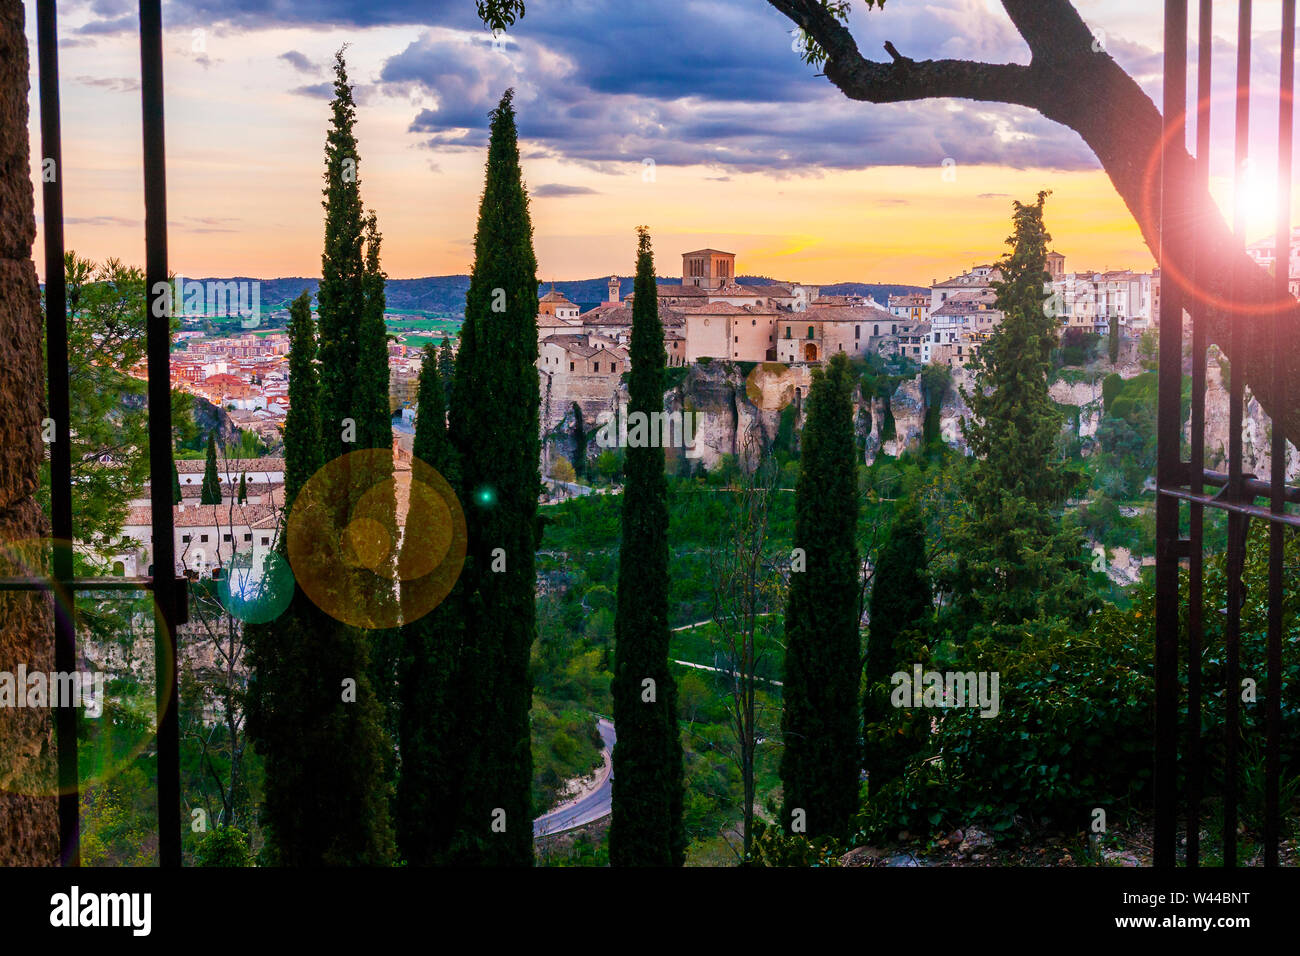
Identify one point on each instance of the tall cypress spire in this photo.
(302, 441)
(647, 826)
(430, 724)
(341, 297)
(494, 427)
(819, 766)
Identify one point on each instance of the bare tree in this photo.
(748, 588)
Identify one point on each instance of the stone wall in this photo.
(29, 831)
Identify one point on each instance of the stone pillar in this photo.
(29, 828)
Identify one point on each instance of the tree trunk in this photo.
(28, 781)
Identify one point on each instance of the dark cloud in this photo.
(606, 83)
(560, 190)
(319, 91)
(299, 62)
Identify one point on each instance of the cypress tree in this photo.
(1015, 559)
(495, 428)
(327, 788)
(375, 430)
(446, 369)
(176, 484)
(374, 421)
(210, 493)
(1113, 339)
(900, 601)
(303, 451)
(819, 767)
(243, 488)
(580, 435)
(429, 784)
(647, 825)
(341, 297)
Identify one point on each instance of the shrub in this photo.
(224, 846)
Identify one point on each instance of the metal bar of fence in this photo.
(1234, 480)
(1169, 432)
(57, 374)
(1285, 309)
(1196, 450)
(1250, 511)
(158, 344)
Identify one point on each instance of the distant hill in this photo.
(445, 295)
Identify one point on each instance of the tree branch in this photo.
(1071, 80)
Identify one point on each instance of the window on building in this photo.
(185, 538)
(225, 537)
(203, 538)
(857, 332)
(570, 366)
(265, 541)
(810, 331)
(248, 537)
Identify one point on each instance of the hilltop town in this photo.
(583, 357)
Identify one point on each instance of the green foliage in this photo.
(646, 829)
(224, 846)
(341, 298)
(429, 729)
(302, 427)
(499, 14)
(900, 602)
(566, 744)
(1110, 387)
(210, 493)
(579, 442)
(494, 428)
(1013, 559)
(374, 423)
(1112, 340)
(446, 369)
(108, 413)
(819, 768)
(935, 381)
(327, 760)
(609, 464)
(1078, 347)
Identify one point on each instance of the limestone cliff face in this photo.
(738, 414)
(1257, 429)
(29, 830)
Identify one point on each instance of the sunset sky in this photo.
(752, 151)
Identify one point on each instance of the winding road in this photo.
(590, 806)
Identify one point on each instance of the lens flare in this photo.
(374, 547)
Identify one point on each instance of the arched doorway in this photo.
(809, 352)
